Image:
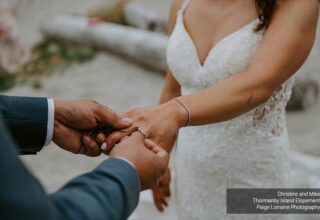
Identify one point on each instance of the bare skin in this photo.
(285, 46)
(149, 159)
(74, 119)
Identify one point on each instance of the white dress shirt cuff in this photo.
(50, 123)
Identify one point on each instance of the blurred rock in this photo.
(139, 16)
(109, 12)
(144, 47)
(31, 13)
(161, 7)
(305, 94)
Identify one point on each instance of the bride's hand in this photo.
(159, 123)
(161, 193)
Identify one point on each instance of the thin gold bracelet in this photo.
(185, 107)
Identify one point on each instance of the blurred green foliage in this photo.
(6, 80)
(47, 56)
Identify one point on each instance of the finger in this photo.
(86, 141)
(137, 135)
(151, 145)
(108, 117)
(157, 202)
(101, 138)
(160, 152)
(116, 136)
(124, 138)
(164, 201)
(92, 147)
(105, 148)
(73, 143)
(162, 197)
(133, 139)
(82, 150)
(167, 192)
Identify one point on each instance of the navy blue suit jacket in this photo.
(110, 192)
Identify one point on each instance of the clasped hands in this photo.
(159, 123)
(81, 127)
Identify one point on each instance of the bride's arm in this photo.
(286, 45)
(171, 88)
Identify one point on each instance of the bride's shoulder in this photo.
(295, 15)
(298, 9)
(176, 5)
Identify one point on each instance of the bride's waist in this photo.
(244, 128)
(190, 90)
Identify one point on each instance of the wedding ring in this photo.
(141, 132)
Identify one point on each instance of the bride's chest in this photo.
(229, 56)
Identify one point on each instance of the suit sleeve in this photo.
(111, 191)
(26, 119)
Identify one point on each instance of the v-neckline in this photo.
(212, 49)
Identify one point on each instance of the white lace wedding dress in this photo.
(250, 151)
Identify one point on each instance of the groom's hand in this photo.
(149, 159)
(74, 120)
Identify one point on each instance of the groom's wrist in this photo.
(58, 118)
(58, 109)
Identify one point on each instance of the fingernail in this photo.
(127, 120)
(104, 146)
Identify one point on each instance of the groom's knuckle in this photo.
(89, 118)
(134, 110)
(141, 115)
(93, 101)
(99, 108)
(112, 117)
(115, 117)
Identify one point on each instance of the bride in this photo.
(229, 79)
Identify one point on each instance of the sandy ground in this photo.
(118, 84)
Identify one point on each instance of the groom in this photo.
(111, 191)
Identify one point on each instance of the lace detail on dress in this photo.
(271, 113)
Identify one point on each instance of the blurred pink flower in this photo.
(94, 21)
(12, 55)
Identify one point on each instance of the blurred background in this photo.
(113, 51)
